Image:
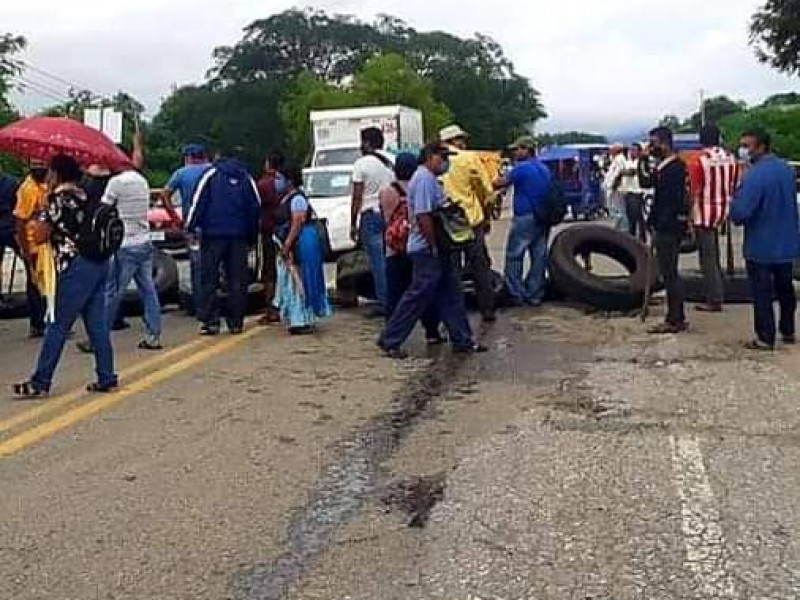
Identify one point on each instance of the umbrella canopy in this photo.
(41, 138)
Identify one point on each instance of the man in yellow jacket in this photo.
(468, 184)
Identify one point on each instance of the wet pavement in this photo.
(578, 459)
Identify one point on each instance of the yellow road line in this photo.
(84, 411)
(60, 401)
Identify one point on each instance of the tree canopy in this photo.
(775, 34)
(570, 137)
(9, 46)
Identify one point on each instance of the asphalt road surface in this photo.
(579, 459)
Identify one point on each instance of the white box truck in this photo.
(337, 132)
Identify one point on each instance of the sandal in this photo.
(28, 391)
(759, 346)
(96, 388)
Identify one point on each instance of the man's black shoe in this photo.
(473, 349)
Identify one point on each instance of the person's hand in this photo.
(354, 233)
(286, 254)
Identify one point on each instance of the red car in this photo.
(166, 229)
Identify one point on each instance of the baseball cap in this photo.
(193, 150)
(524, 141)
(452, 132)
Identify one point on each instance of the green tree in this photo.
(471, 76)
(775, 34)
(785, 99)
(570, 137)
(385, 79)
(782, 122)
(671, 121)
(9, 46)
(716, 109)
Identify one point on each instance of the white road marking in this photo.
(706, 557)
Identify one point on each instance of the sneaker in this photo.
(759, 346)
(395, 353)
(85, 346)
(472, 349)
(209, 330)
(150, 345)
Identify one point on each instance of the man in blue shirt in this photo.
(184, 182)
(766, 204)
(531, 180)
(434, 279)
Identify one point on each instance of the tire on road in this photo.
(606, 293)
(737, 287)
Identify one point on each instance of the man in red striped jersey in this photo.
(713, 176)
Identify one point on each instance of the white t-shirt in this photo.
(130, 193)
(375, 176)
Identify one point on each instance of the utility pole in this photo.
(702, 108)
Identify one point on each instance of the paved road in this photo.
(579, 459)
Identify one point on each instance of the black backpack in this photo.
(102, 232)
(552, 209)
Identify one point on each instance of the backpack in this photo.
(102, 232)
(398, 227)
(552, 209)
(453, 231)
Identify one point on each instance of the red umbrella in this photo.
(41, 138)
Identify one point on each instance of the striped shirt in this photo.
(713, 177)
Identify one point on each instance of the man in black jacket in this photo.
(669, 220)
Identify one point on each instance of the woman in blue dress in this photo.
(302, 297)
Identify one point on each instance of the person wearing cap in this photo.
(528, 236)
(184, 182)
(434, 280)
(467, 184)
(31, 201)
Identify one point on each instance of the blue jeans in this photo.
(370, 234)
(770, 281)
(434, 283)
(81, 290)
(526, 236)
(135, 263)
(399, 273)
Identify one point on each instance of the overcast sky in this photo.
(601, 65)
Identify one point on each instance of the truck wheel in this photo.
(354, 277)
(606, 293)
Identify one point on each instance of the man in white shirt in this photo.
(371, 173)
(612, 183)
(632, 191)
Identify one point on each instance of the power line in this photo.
(26, 85)
(71, 84)
(44, 85)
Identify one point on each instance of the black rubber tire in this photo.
(606, 293)
(737, 287)
(354, 278)
(15, 306)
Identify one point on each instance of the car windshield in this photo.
(328, 184)
(337, 156)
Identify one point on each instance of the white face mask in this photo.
(744, 154)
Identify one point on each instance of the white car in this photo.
(329, 191)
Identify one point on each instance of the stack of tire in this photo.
(570, 278)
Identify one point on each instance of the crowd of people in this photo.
(422, 219)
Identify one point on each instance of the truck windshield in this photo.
(337, 156)
(328, 184)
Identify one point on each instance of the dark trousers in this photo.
(634, 209)
(476, 260)
(434, 282)
(269, 268)
(230, 256)
(399, 274)
(708, 248)
(667, 247)
(36, 306)
(768, 281)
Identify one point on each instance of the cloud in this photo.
(600, 65)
